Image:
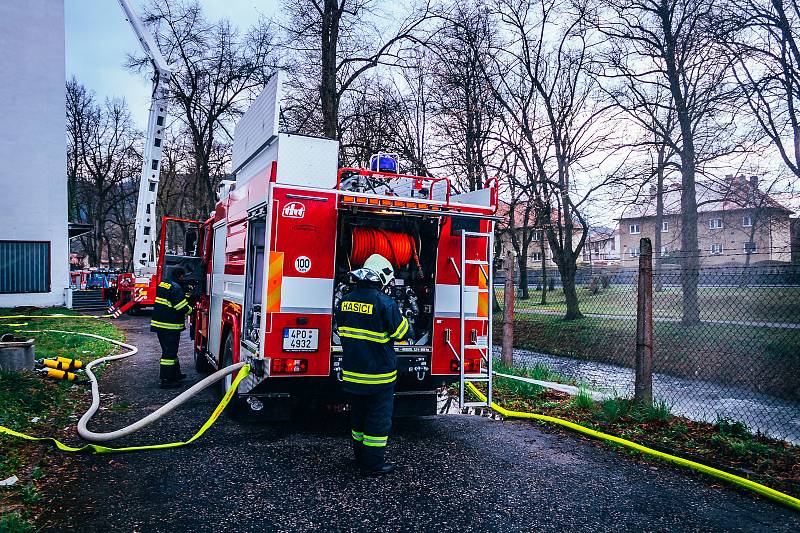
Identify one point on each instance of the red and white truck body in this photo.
(279, 246)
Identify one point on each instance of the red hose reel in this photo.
(397, 247)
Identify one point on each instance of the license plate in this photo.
(300, 340)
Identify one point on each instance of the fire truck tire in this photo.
(135, 310)
(235, 405)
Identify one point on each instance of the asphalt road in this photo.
(456, 473)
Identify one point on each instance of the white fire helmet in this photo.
(381, 266)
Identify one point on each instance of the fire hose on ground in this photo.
(244, 369)
(85, 433)
(739, 481)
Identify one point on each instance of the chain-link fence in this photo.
(733, 352)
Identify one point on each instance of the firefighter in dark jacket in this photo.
(369, 322)
(169, 316)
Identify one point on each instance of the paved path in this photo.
(750, 323)
(456, 473)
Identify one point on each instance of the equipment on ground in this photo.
(279, 250)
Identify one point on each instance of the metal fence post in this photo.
(643, 387)
(508, 311)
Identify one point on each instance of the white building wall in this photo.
(33, 202)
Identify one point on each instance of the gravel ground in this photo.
(455, 473)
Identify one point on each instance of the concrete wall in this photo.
(33, 138)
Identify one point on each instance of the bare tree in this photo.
(465, 112)
(763, 40)
(216, 72)
(102, 161)
(548, 88)
(670, 46)
(79, 102)
(335, 42)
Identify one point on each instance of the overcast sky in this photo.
(98, 39)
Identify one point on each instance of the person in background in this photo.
(168, 321)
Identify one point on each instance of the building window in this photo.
(633, 252)
(24, 267)
(664, 226)
(715, 223)
(716, 249)
(635, 229)
(747, 221)
(750, 248)
(536, 235)
(536, 256)
(664, 250)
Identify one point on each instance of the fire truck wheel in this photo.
(135, 310)
(227, 359)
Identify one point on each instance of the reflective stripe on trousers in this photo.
(166, 325)
(369, 379)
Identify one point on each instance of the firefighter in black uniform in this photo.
(369, 322)
(169, 315)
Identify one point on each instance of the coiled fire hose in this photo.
(396, 247)
(243, 370)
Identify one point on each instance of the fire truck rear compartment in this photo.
(410, 243)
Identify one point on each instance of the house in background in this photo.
(602, 247)
(523, 225)
(34, 251)
(735, 220)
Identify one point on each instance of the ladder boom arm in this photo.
(146, 228)
(144, 36)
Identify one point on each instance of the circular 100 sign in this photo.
(302, 264)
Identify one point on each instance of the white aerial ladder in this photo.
(144, 252)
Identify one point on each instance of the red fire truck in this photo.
(276, 256)
(177, 246)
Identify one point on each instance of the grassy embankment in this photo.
(758, 304)
(759, 358)
(726, 445)
(36, 405)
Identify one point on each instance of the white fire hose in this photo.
(91, 436)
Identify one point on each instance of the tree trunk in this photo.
(543, 301)
(522, 264)
(568, 271)
(659, 216)
(329, 96)
(690, 253)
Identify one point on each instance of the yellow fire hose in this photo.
(85, 433)
(244, 370)
(773, 494)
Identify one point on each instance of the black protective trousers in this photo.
(169, 364)
(370, 423)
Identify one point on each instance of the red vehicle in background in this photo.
(177, 247)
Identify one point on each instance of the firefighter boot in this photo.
(373, 463)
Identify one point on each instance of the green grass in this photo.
(14, 523)
(29, 396)
(747, 356)
(583, 400)
(762, 304)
